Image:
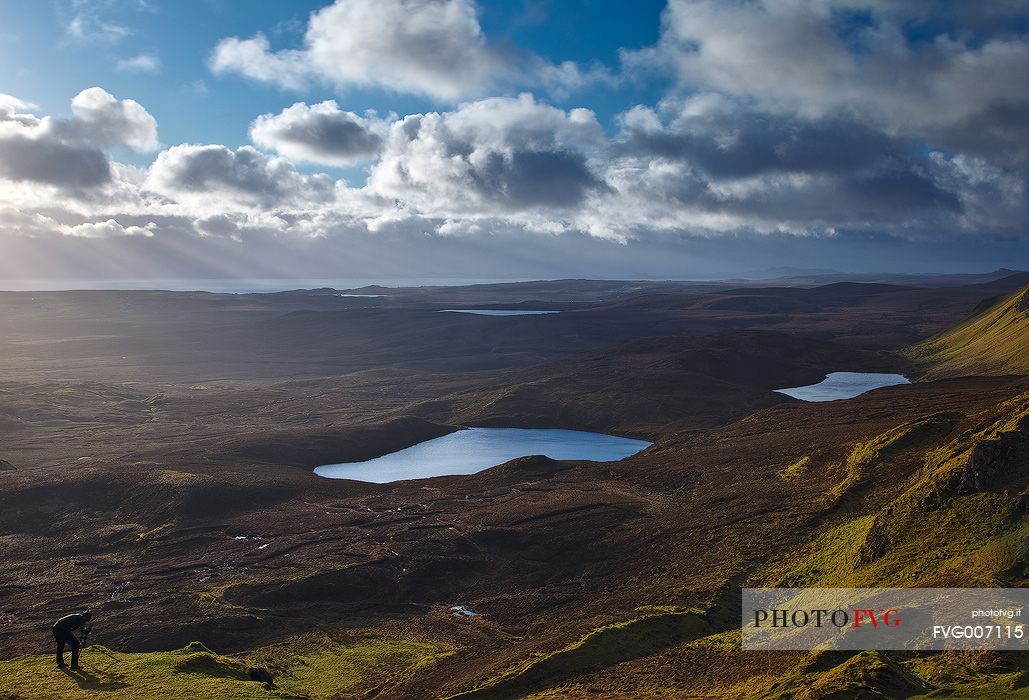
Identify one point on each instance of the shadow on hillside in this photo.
(97, 679)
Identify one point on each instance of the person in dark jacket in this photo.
(63, 629)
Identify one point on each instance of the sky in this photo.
(152, 139)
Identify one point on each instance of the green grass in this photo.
(154, 533)
(191, 672)
(828, 561)
(865, 456)
(599, 649)
(922, 530)
(872, 674)
(212, 601)
(304, 670)
(321, 668)
(995, 341)
(929, 531)
(796, 469)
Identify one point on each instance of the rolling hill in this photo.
(992, 342)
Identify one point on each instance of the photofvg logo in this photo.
(885, 618)
(838, 618)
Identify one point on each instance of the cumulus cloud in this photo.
(245, 175)
(431, 47)
(428, 47)
(105, 121)
(107, 229)
(254, 59)
(718, 156)
(320, 133)
(28, 157)
(68, 152)
(852, 57)
(15, 222)
(726, 139)
(802, 124)
(9, 105)
(515, 153)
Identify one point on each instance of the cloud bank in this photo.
(842, 124)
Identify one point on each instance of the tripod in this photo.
(86, 643)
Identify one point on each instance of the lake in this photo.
(498, 312)
(843, 385)
(473, 449)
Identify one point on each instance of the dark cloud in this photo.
(999, 132)
(52, 162)
(528, 178)
(902, 190)
(770, 170)
(67, 152)
(321, 133)
(515, 153)
(909, 68)
(833, 127)
(737, 142)
(214, 170)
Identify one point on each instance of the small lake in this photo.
(473, 449)
(498, 312)
(844, 385)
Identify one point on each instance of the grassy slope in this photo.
(310, 669)
(934, 532)
(995, 341)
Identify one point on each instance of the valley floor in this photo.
(158, 451)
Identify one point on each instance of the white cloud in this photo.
(726, 156)
(68, 152)
(245, 176)
(320, 133)
(140, 63)
(15, 222)
(254, 59)
(10, 104)
(428, 47)
(431, 47)
(88, 27)
(107, 229)
(512, 153)
(804, 58)
(103, 120)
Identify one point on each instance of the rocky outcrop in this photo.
(992, 463)
(1023, 302)
(877, 541)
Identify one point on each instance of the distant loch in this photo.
(472, 450)
(498, 312)
(843, 385)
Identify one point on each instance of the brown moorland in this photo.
(158, 450)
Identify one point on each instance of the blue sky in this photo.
(194, 106)
(528, 138)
